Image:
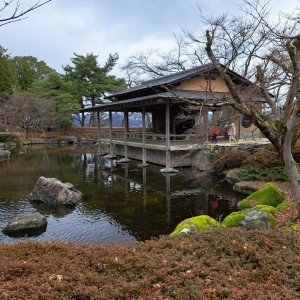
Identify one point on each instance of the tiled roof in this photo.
(165, 80)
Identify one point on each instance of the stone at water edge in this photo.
(4, 154)
(54, 192)
(26, 225)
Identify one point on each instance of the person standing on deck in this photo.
(231, 132)
(214, 133)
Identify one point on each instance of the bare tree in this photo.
(154, 63)
(12, 11)
(269, 54)
(28, 111)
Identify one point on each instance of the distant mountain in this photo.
(117, 120)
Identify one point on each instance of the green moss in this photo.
(266, 208)
(270, 194)
(201, 223)
(234, 219)
(283, 205)
(245, 204)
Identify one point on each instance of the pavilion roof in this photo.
(161, 84)
(159, 98)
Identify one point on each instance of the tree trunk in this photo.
(291, 168)
(93, 114)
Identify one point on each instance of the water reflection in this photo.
(121, 202)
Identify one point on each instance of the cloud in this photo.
(55, 31)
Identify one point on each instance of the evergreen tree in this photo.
(28, 69)
(90, 82)
(8, 82)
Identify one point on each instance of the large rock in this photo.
(199, 223)
(71, 139)
(30, 224)
(232, 176)
(257, 219)
(53, 191)
(243, 187)
(4, 154)
(270, 195)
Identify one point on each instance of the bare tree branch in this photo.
(17, 14)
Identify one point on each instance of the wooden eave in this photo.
(136, 104)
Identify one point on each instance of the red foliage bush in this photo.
(223, 264)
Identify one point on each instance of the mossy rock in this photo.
(270, 210)
(244, 187)
(199, 223)
(266, 208)
(283, 205)
(234, 219)
(270, 195)
(238, 219)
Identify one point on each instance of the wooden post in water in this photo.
(126, 133)
(99, 133)
(168, 168)
(111, 149)
(125, 159)
(144, 164)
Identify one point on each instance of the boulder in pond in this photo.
(4, 154)
(27, 225)
(54, 192)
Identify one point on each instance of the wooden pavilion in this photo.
(171, 142)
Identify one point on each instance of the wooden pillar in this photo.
(144, 137)
(168, 143)
(126, 133)
(125, 159)
(168, 168)
(205, 113)
(111, 148)
(99, 133)
(111, 151)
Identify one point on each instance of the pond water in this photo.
(120, 203)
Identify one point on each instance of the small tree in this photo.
(28, 111)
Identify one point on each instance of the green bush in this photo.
(65, 123)
(7, 137)
(255, 172)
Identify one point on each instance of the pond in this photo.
(120, 203)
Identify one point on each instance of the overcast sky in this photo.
(55, 31)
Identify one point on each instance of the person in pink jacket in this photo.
(231, 132)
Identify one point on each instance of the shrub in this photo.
(7, 137)
(65, 123)
(229, 159)
(230, 264)
(265, 157)
(255, 172)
